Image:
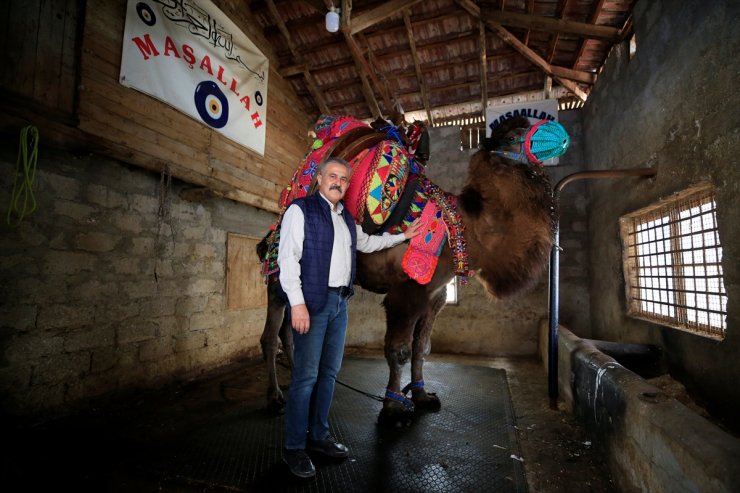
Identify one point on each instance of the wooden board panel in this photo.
(245, 287)
(158, 134)
(54, 65)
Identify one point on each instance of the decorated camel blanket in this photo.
(388, 191)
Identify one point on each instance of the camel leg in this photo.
(401, 317)
(422, 345)
(274, 323)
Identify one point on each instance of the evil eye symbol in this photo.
(212, 105)
(258, 98)
(146, 14)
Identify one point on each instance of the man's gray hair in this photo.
(333, 160)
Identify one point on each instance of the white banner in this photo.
(534, 110)
(188, 54)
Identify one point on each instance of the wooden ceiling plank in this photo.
(554, 26)
(315, 93)
(310, 83)
(291, 70)
(318, 5)
(281, 26)
(561, 8)
(371, 17)
(594, 15)
(417, 66)
(375, 68)
(363, 71)
(533, 57)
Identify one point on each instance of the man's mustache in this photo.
(336, 187)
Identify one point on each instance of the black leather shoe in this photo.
(329, 447)
(299, 463)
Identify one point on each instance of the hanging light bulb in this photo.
(332, 20)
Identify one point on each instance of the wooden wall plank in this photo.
(22, 28)
(128, 125)
(245, 287)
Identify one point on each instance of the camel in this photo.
(507, 213)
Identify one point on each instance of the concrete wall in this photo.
(672, 107)
(480, 325)
(651, 441)
(81, 312)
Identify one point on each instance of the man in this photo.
(318, 244)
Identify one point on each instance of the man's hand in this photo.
(300, 319)
(414, 229)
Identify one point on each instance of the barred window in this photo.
(673, 263)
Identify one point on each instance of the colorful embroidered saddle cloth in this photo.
(387, 192)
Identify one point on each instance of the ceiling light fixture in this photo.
(332, 20)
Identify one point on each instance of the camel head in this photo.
(509, 215)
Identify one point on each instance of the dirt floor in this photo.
(91, 451)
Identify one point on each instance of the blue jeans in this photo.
(317, 357)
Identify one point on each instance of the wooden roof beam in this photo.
(363, 71)
(388, 9)
(385, 87)
(554, 26)
(483, 68)
(310, 83)
(592, 19)
(562, 8)
(417, 66)
(564, 76)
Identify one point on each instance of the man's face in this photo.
(333, 182)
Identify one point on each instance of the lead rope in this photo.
(408, 403)
(23, 179)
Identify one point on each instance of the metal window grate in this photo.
(673, 263)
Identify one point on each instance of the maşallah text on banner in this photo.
(188, 54)
(547, 109)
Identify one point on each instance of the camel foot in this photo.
(395, 415)
(427, 401)
(276, 404)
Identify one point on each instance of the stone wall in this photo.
(480, 325)
(672, 107)
(99, 295)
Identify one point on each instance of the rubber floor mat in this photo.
(469, 445)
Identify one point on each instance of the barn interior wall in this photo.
(81, 312)
(478, 324)
(672, 107)
(115, 283)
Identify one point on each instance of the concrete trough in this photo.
(651, 441)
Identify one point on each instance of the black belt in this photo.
(343, 291)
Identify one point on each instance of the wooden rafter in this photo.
(594, 15)
(382, 12)
(563, 75)
(483, 68)
(363, 71)
(554, 26)
(318, 5)
(310, 83)
(385, 87)
(562, 8)
(530, 11)
(417, 66)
